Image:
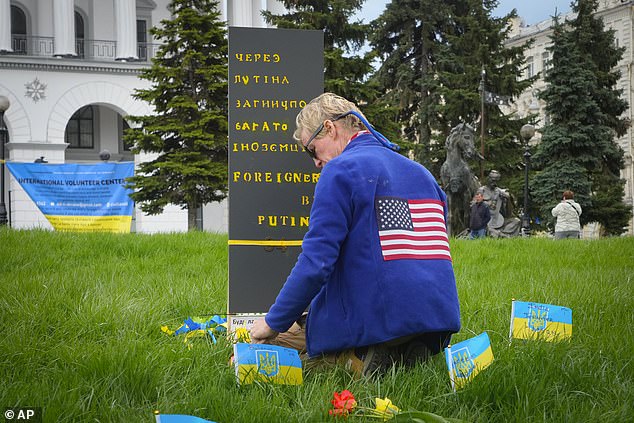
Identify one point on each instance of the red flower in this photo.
(343, 402)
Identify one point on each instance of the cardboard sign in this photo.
(273, 73)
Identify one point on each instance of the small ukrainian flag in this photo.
(540, 321)
(468, 358)
(267, 363)
(178, 418)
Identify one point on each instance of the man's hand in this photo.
(261, 332)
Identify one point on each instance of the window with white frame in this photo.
(530, 67)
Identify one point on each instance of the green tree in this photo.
(476, 42)
(186, 136)
(407, 37)
(346, 71)
(578, 150)
(433, 54)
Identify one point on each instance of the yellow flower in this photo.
(242, 335)
(385, 408)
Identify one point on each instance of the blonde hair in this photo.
(324, 107)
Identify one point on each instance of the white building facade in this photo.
(617, 15)
(69, 69)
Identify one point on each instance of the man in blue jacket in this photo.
(375, 266)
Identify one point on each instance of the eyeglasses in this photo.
(311, 153)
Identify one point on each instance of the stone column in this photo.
(222, 9)
(256, 12)
(5, 26)
(125, 24)
(241, 13)
(275, 7)
(64, 28)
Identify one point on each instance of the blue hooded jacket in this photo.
(358, 293)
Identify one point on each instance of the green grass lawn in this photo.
(80, 318)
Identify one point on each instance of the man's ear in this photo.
(330, 126)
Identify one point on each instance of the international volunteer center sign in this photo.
(273, 73)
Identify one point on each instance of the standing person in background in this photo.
(567, 214)
(479, 217)
(375, 265)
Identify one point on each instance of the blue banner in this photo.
(79, 197)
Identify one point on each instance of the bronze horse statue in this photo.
(457, 180)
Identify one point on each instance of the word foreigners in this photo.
(276, 177)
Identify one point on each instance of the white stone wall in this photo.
(216, 217)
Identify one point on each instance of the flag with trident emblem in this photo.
(540, 321)
(468, 358)
(267, 363)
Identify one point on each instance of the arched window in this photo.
(18, 30)
(79, 34)
(80, 131)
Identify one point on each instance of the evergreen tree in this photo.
(434, 52)
(187, 134)
(578, 149)
(407, 37)
(476, 42)
(346, 71)
(607, 186)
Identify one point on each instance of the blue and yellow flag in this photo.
(196, 327)
(468, 358)
(267, 363)
(179, 418)
(540, 321)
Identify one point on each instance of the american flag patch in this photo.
(412, 229)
